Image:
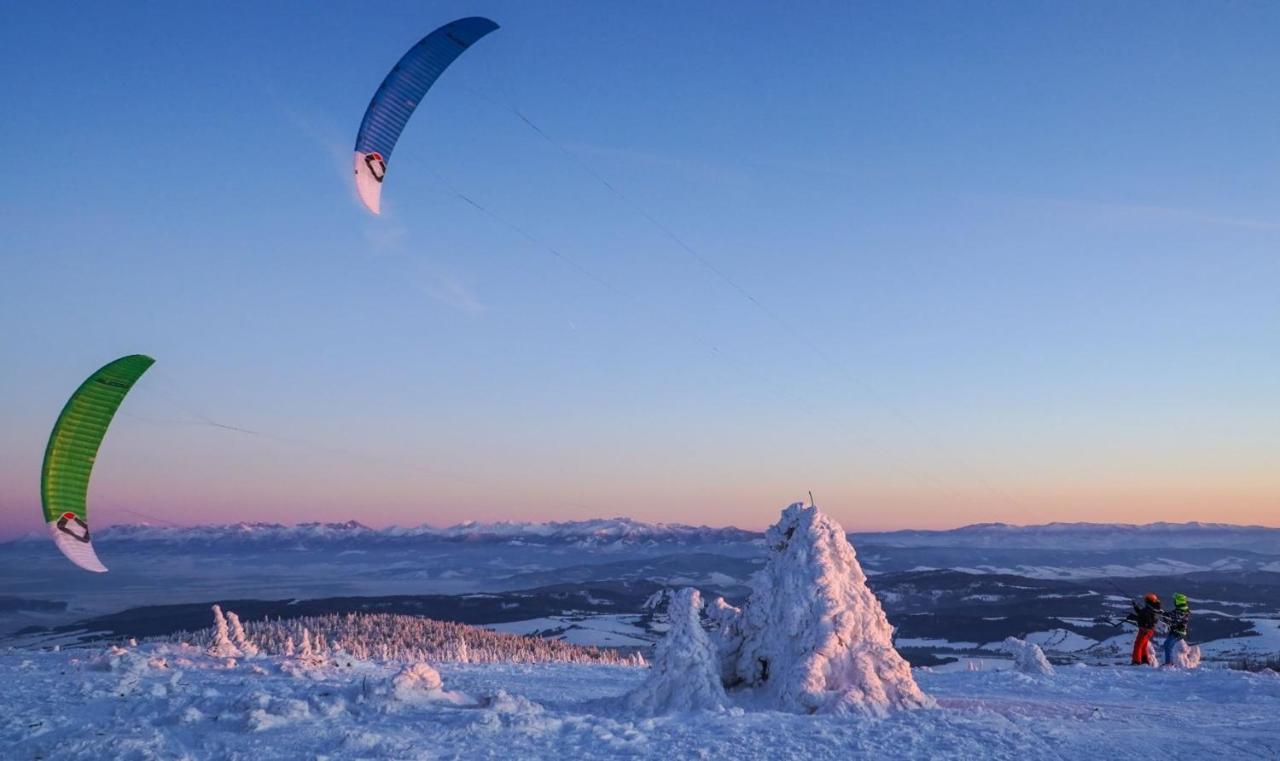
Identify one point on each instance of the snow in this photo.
(162, 701)
(1266, 641)
(419, 682)
(806, 668)
(1028, 658)
(1061, 641)
(812, 638)
(1058, 641)
(598, 631)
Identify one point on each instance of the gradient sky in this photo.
(1025, 260)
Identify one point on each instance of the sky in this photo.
(939, 263)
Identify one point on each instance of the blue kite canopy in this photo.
(398, 96)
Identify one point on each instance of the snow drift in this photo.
(812, 638)
(1028, 658)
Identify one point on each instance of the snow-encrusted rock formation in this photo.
(1028, 658)
(812, 638)
(685, 674)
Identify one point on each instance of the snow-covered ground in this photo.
(161, 701)
(598, 631)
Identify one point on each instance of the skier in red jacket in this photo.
(1146, 617)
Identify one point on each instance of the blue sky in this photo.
(1023, 262)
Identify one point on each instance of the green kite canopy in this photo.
(73, 446)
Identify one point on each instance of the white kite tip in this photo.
(77, 546)
(369, 170)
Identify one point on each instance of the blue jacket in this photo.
(1178, 619)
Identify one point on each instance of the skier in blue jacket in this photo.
(1178, 620)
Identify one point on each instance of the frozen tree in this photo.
(306, 652)
(726, 636)
(1028, 658)
(395, 637)
(238, 637)
(221, 645)
(685, 675)
(813, 638)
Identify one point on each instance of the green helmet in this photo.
(1179, 600)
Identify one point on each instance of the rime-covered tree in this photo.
(407, 639)
(220, 644)
(685, 672)
(238, 637)
(812, 637)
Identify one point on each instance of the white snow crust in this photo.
(168, 701)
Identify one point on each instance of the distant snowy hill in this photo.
(606, 532)
(1087, 536)
(600, 532)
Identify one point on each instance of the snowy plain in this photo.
(167, 702)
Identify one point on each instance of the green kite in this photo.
(73, 446)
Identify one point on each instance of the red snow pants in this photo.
(1140, 645)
